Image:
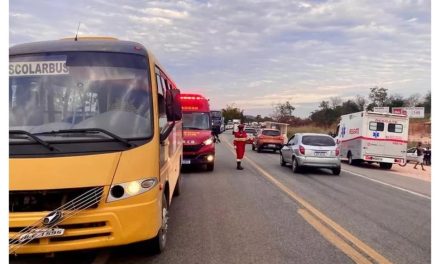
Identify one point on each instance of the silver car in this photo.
(311, 150)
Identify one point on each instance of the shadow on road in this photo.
(76, 257)
(186, 169)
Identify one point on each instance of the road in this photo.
(267, 214)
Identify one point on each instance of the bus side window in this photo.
(161, 101)
(169, 98)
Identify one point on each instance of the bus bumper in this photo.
(102, 227)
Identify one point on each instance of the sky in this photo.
(257, 53)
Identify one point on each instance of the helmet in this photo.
(240, 126)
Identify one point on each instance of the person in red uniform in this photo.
(240, 144)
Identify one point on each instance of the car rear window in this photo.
(253, 131)
(273, 133)
(318, 141)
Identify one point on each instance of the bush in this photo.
(307, 129)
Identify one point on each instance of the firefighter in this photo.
(240, 144)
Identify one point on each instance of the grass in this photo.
(307, 129)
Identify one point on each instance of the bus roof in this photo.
(82, 44)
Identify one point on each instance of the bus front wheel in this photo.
(159, 242)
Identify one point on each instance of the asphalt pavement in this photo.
(268, 214)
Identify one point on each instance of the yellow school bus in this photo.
(95, 146)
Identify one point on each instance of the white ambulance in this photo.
(373, 137)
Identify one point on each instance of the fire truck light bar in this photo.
(191, 98)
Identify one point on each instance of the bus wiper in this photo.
(34, 137)
(89, 130)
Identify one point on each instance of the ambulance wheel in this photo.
(282, 162)
(159, 242)
(210, 166)
(351, 161)
(386, 166)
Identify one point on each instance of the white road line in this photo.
(387, 184)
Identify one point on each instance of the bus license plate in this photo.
(320, 154)
(186, 161)
(40, 233)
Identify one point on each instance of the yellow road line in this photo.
(336, 227)
(333, 238)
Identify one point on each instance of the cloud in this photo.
(257, 52)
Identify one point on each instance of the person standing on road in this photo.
(427, 156)
(240, 138)
(419, 156)
(215, 133)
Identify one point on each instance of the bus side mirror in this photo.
(174, 108)
(166, 132)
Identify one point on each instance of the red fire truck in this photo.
(198, 143)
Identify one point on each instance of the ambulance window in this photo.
(377, 126)
(396, 128)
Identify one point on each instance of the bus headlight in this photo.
(209, 141)
(128, 189)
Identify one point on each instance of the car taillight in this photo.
(337, 152)
(302, 150)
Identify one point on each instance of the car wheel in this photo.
(210, 166)
(336, 171)
(159, 242)
(295, 166)
(282, 162)
(253, 147)
(258, 149)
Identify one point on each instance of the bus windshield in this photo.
(80, 90)
(196, 121)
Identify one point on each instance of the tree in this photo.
(282, 112)
(396, 100)
(335, 101)
(361, 102)
(232, 112)
(325, 116)
(267, 118)
(349, 107)
(413, 100)
(258, 118)
(427, 103)
(378, 96)
(324, 105)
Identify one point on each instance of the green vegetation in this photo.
(307, 129)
